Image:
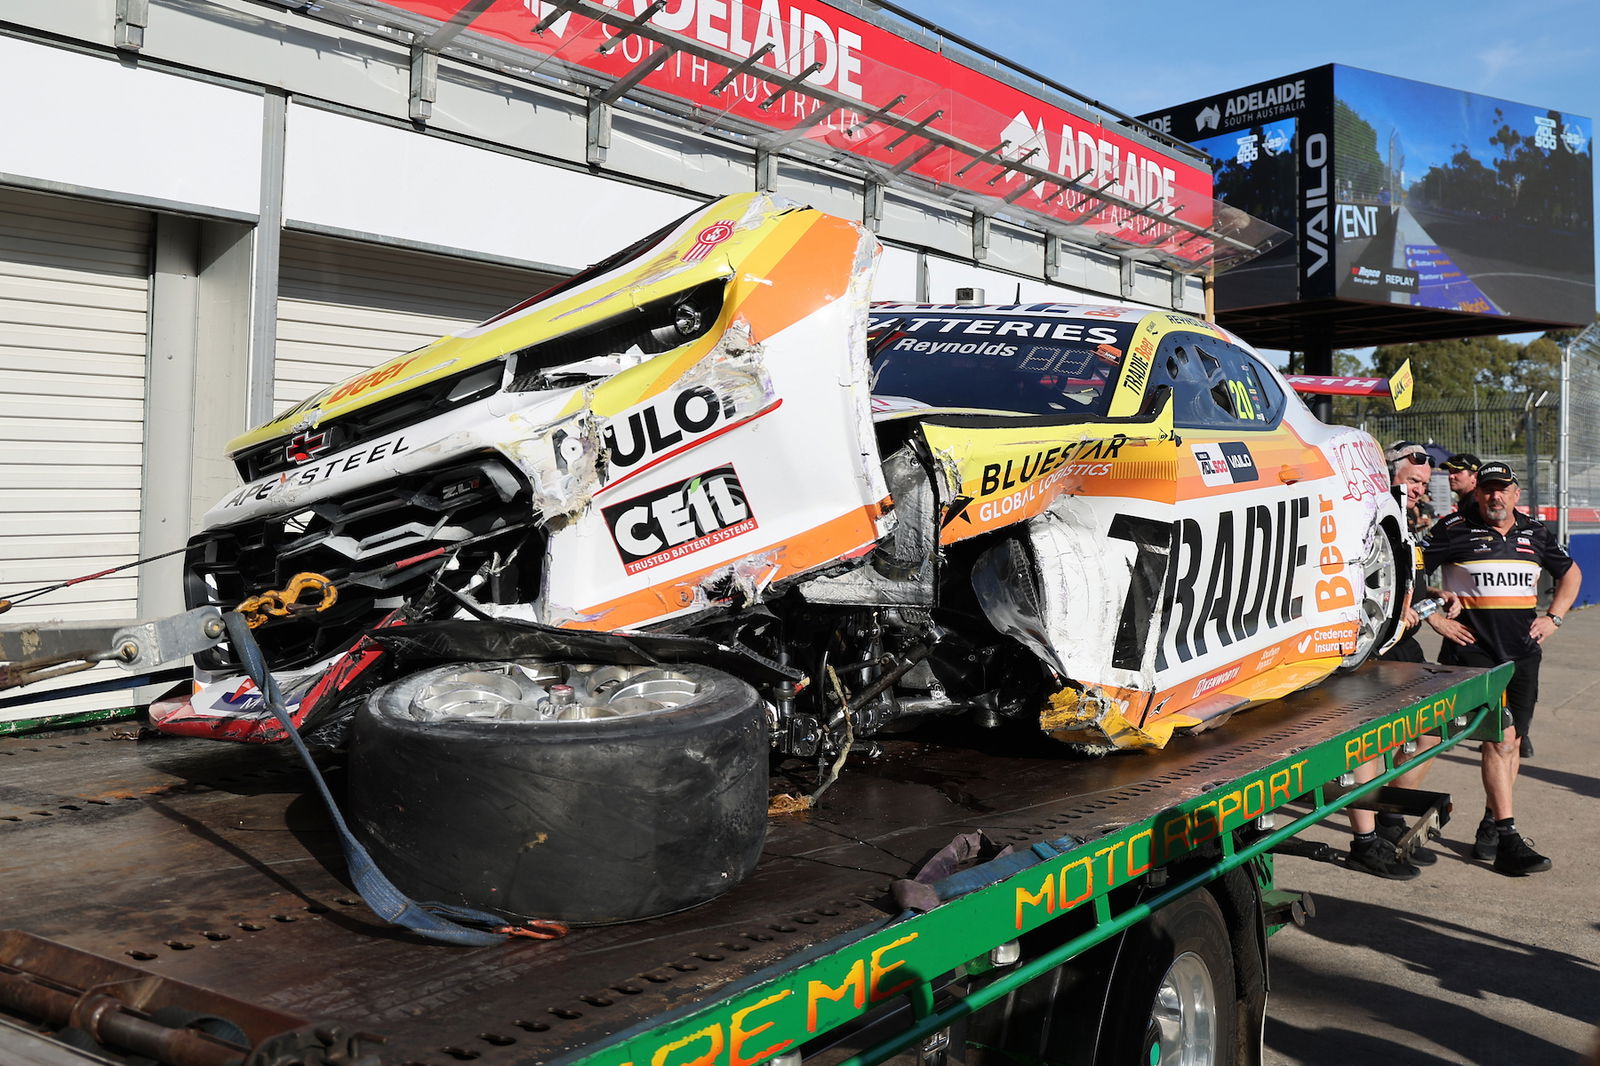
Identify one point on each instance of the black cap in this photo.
(1496, 473)
(1462, 461)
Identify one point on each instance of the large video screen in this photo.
(1454, 201)
(1256, 171)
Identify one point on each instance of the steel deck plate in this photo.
(211, 863)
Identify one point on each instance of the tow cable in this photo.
(145, 645)
(34, 593)
(436, 921)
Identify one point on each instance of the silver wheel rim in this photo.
(531, 691)
(1377, 595)
(1184, 1015)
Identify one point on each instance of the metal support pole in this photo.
(1563, 446)
(980, 235)
(262, 377)
(1319, 361)
(133, 18)
(1530, 431)
(424, 83)
(872, 207)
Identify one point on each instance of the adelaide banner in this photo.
(1116, 184)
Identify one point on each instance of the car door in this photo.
(1243, 527)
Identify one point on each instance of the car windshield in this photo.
(997, 361)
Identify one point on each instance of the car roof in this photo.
(1067, 312)
(1101, 312)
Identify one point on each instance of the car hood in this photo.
(723, 240)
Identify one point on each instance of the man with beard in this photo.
(1491, 557)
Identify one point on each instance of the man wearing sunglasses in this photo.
(1373, 847)
(1492, 557)
(1411, 468)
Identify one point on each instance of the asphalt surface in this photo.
(1462, 965)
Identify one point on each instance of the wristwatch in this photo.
(1556, 618)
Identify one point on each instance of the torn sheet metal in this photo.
(1080, 717)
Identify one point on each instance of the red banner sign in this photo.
(875, 68)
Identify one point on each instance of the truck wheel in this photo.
(1172, 998)
(1380, 596)
(581, 792)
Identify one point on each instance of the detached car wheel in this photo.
(582, 792)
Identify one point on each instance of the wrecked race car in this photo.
(701, 504)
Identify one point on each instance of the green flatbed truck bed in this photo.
(206, 877)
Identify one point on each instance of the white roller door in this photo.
(344, 306)
(74, 295)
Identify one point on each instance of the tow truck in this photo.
(961, 894)
(957, 897)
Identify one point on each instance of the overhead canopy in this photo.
(804, 79)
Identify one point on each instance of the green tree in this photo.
(1467, 368)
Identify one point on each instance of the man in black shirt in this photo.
(1463, 471)
(1491, 557)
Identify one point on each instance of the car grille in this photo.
(411, 407)
(356, 541)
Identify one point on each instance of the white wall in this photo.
(365, 177)
(99, 125)
(945, 276)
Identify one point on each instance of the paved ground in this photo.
(1463, 965)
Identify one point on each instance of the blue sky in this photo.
(1143, 55)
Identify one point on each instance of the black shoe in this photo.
(1516, 857)
(1378, 857)
(1420, 856)
(1487, 842)
(1527, 747)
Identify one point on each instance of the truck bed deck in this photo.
(212, 863)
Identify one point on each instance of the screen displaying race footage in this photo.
(1403, 193)
(1454, 201)
(1256, 170)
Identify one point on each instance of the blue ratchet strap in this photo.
(432, 920)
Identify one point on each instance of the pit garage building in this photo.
(210, 209)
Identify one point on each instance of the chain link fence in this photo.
(1523, 434)
(1552, 441)
(1582, 445)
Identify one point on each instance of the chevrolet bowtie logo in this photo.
(304, 447)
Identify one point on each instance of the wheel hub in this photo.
(1183, 1018)
(1379, 587)
(533, 691)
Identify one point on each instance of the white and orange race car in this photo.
(711, 450)
(566, 581)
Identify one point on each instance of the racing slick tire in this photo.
(587, 821)
(1172, 998)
